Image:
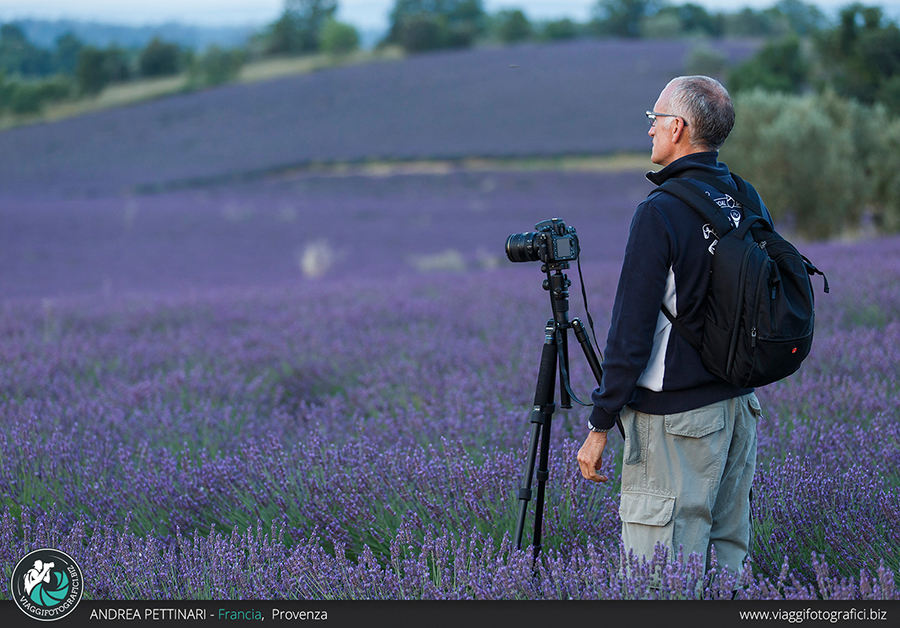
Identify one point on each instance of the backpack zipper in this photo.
(759, 293)
(737, 317)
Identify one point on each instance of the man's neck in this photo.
(689, 150)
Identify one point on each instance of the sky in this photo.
(366, 14)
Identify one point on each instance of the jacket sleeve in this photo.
(642, 283)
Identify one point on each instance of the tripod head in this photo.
(557, 284)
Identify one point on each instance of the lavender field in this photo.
(583, 97)
(270, 232)
(223, 378)
(230, 426)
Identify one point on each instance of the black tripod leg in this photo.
(565, 399)
(543, 473)
(540, 419)
(585, 341)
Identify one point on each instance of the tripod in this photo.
(555, 351)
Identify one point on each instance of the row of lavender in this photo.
(585, 97)
(364, 439)
(268, 233)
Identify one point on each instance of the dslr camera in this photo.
(551, 242)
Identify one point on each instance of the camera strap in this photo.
(559, 340)
(586, 310)
(565, 374)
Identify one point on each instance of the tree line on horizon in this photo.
(31, 76)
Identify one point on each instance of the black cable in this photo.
(587, 312)
(565, 372)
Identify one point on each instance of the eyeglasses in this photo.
(652, 116)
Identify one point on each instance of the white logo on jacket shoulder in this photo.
(707, 234)
(733, 209)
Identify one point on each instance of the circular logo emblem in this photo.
(47, 584)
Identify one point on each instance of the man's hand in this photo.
(590, 456)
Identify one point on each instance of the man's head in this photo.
(699, 117)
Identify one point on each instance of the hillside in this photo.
(584, 97)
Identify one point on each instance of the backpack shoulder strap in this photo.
(692, 340)
(700, 202)
(742, 194)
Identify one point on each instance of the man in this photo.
(39, 573)
(690, 437)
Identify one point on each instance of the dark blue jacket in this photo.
(648, 365)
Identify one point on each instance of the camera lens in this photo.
(524, 247)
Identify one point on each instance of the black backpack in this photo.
(760, 307)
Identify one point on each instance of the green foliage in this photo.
(28, 97)
(786, 17)
(556, 30)
(97, 68)
(338, 38)
(511, 25)
(751, 23)
(118, 64)
(159, 58)
(781, 66)
(419, 33)
(91, 73)
(876, 140)
(821, 162)
(696, 20)
(419, 25)
(623, 18)
(311, 16)
(19, 56)
(660, 20)
(682, 20)
(861, 56)
(65, 58)
(705, 60)
(283, 37)
(25, 99)
(217, 66)
(663, 25)
(299, 29)
(804, 19)
(54, 89)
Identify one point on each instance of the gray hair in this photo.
(708, 108)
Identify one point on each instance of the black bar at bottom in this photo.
(438, 614)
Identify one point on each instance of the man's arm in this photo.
(642, 284)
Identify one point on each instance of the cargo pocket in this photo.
(697, 423)
(629, 421)
(647, 525)
(648, 509)
(754, 405)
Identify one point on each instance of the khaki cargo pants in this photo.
(686, 480)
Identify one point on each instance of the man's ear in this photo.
(679, 131)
